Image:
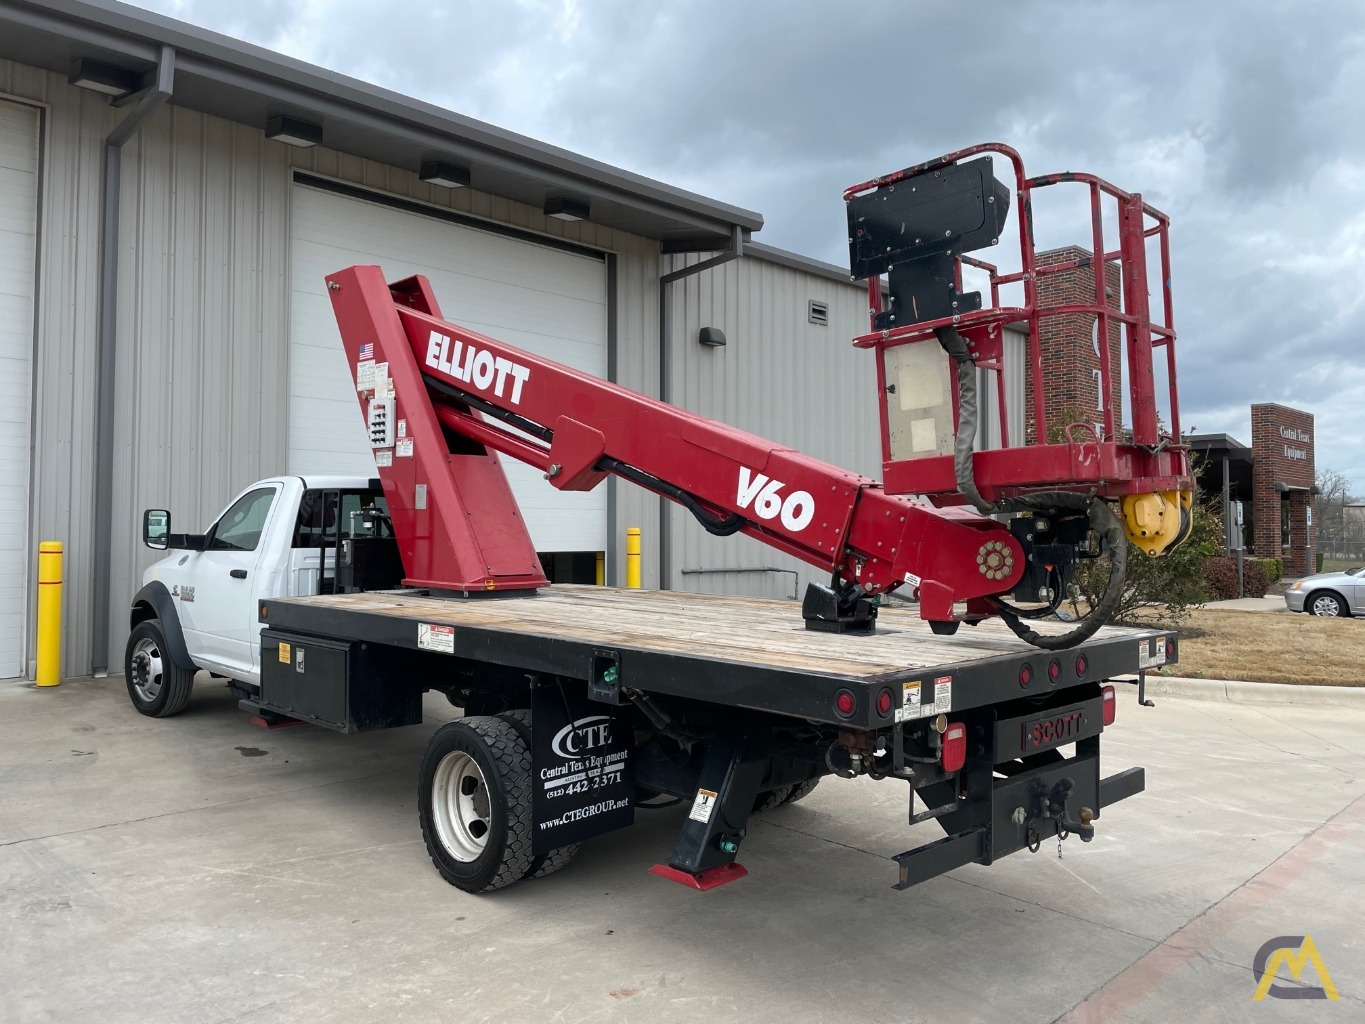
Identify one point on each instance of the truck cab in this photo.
(280, 537)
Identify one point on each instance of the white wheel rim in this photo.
(460, 806)
(146, 666)
(1325, 606)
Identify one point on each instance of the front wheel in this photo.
(474, 803)
(1326, 604)
(157, 686)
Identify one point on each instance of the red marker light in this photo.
(1054, 670)
(845, 703)
(1082, 665)
(1111, 704)
(1025, 676)
(884, 703)
(954, 747)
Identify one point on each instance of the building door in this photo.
(18, 276)
(547, 300)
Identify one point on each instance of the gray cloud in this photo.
(1241, 120)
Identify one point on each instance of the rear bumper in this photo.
(1013, 816)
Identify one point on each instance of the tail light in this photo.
(954, 747)
(845, 703)
(884, 703)
(1111, 704)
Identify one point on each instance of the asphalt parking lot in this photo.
(199, 869)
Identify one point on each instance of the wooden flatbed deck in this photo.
(709, 647)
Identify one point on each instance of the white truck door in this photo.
(220, 606)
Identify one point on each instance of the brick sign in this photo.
(1283, 471)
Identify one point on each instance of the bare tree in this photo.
(1338, 527)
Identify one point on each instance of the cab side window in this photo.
(317, 518)
(241, 526)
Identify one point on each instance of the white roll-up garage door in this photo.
(547, 300)
(18, 249)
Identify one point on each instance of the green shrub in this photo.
(1319, 558)
(1273, 568)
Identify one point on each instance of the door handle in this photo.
(238, 574)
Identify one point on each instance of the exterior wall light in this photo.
(712, 336)
(106, 79)
(566, 209)
(293, 132)
(437, 172)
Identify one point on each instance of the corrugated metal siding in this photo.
(75, 124)
(778, 376)
(202, 354)
(203, 316)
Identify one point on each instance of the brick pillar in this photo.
(1068, 349)
(1282, 445)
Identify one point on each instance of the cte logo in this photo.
(797, 509)
(577, 738)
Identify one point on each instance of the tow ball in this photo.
(1052, 806)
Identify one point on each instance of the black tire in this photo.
(545, 863)
(499, 796)
(773, 798)
(802, 790)
(1326, 605)
(157, 686)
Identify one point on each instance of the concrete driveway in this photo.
(199, 869)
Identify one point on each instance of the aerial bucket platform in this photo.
(909, 236)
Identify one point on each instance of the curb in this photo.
(1242, 692)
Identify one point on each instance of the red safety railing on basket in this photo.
(1133, 459)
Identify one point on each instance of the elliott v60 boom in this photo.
(460, 397)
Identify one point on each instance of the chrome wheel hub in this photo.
(146, 669)
(461, 807)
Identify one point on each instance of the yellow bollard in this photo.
(49, 613)
(633, 558)
(601, 568)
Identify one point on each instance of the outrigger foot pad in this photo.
(711, 878)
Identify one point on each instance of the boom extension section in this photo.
(440, 400)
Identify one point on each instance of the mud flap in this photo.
(583, 774)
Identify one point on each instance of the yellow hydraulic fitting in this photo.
(1157, 522)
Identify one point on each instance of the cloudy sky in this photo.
(1243, 119)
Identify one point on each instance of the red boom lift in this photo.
(447, 399)
(581, 704)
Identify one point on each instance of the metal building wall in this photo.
(74, 126)
(203, 321)
(778, 376)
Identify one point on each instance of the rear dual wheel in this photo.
(474, 804)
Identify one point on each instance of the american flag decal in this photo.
(367, 350)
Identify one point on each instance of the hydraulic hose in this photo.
(1102, 518)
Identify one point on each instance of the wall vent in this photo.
(818, 312)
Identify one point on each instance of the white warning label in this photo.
(431, 637)
(383, 457)
(1152, 653)
(403, 449)
(914, 705)
(364, 375)
(703, 806)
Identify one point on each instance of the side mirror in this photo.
(156, 528)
